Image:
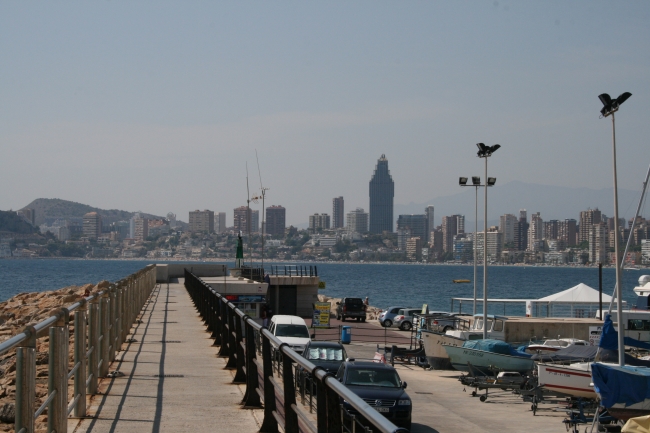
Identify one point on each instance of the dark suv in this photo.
(351, 307)
(378, 385)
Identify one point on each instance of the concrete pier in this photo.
(172, 379)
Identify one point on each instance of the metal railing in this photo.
(294, 271)
(243, 342)
(101, 324)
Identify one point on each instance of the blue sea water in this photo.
(384, 284)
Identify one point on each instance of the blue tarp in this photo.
(494, 346)
(609, 337)
(617, 384)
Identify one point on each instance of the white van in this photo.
(291, 330)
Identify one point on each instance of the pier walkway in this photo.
(170, 378)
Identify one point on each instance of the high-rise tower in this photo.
(382, 191)
(337, 212)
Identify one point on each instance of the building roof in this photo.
(580, 294)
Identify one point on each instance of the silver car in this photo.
(404, 318)
(387, 317)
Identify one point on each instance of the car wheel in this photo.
(387, 323)
(338, 317)
(405, 326)
(342, 318)
(363, 319)
(447, 328)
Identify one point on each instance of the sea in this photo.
(385, 284)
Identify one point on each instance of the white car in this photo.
(291, 330)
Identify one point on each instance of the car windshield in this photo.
(299, 331)
(325, 354)
(368, 377)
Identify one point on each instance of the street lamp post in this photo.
(485, 152)
(476, 183)
(611, 106)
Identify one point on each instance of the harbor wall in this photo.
(522, 330)
(177, 270)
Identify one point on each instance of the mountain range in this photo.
(49, 209)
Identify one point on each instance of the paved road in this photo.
(173, 381)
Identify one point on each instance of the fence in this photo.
(101, 324)
(294, 271)
(244, 342)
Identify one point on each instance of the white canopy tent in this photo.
(578, 301)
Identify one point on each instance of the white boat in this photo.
(573, 380)
(460, 357)
(434, 342)
(552, 345)
(434, 350)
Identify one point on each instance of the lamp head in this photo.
(462, 181)
(482, 149)
(612, 105)
(476, 180)
(491, 181)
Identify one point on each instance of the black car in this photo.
(380, 386)
(325, 354)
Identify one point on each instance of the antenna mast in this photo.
(263, 208)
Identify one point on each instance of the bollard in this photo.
(26, 382)
(80, 358)
(93, 334)
(104, 306)
(57, 412)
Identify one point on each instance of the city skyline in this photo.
(118, 108)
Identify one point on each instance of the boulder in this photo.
(8, 413)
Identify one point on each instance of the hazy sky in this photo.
(157, 106)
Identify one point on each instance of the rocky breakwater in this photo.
(28, 309)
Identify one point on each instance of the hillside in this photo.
(53, 208)
(11, 222)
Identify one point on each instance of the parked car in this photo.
(380, 386)
(387, 316)
(328, 355)
(404, 318)
(441, 321)
(291, 330)
(351, 307)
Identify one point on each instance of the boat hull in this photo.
(435, 351)
(461, 356)
(572, 380)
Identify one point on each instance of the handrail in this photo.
(242, 347)
(121, 303)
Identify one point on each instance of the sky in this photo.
(159, 106)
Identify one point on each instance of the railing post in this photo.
(240, 375)
(321, 409)
(270, 424)
(80, 358)
(119, 313)
(57, 414)
(251, 398)
(232, 351)
(214, 311)
(93, 334)
(111, 327)
(223, 311)
(334, 421)
(104, 305)
(26, 382)
(290, 416)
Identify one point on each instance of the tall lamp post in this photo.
(476, 183)
(611, 106)
(485, 152)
